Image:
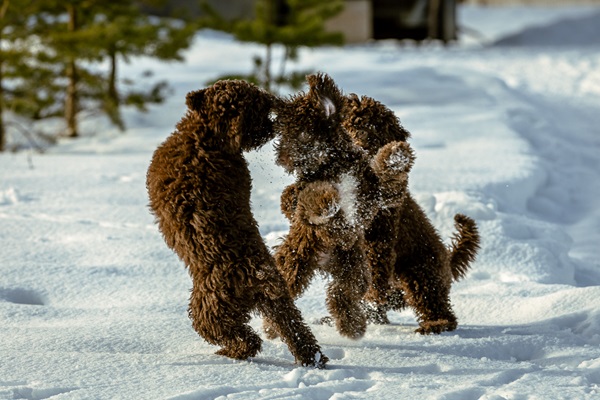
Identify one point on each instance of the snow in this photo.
(505, 129)
(347, 189)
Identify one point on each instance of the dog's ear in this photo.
(194, 100)
(329, 96)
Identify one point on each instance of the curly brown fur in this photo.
(199, 188)
(410, 264)
(371, 125)
(337, 192)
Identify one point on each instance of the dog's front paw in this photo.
(318, 203)
(392, 164)
(325, 215)
(393, 159)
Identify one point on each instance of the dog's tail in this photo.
(465, 244)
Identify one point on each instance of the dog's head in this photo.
(312, 143)
(371, 125)
(237, 114)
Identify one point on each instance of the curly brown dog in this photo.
(199, 187)
(337, 192)
(410, 264)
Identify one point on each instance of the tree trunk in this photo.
(3, 10)
(2, 128)
(71, 100)
(113, 95)
(113, 102)
(267, 84)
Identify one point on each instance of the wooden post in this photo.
(433, 19)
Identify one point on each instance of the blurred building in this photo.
(361, 20)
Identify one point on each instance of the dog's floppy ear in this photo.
(194, 99)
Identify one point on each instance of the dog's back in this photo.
(201, 200)
(199, 183)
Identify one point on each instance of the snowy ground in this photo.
(506, 128)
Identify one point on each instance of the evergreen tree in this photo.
(96, 30)
(124, 32)
(54, 52)
(68, 41)
(14, 56)
(289, 23)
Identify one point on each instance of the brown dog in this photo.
(410, 264)
(337, 192)
(199, 187)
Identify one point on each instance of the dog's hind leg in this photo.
(296, 262)
(351, 279)
(429, 295)
(381, 256)
(377, 313)
(285, 318)
(224, 324)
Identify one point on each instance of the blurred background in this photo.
(61, 61)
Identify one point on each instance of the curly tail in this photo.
(465, 243)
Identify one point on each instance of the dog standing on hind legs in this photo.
(336, 193)
(410, 264)
(199, 187)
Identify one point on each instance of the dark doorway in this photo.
(414, 19)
